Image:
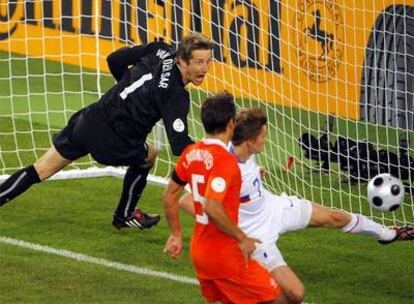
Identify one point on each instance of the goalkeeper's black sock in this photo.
(18, 183)
(135, 180)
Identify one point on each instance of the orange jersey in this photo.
(212, 173)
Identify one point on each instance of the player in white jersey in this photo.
(265, 216)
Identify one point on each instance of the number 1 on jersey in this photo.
(196, 180)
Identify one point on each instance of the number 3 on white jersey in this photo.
(197, 179)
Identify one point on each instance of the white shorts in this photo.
(279, 215)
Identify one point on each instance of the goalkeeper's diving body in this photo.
(265, 216)
(150, 86)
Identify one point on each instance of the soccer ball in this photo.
(385, 192)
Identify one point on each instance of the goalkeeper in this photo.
(265, 216)
(151, 82)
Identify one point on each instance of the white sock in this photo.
(360, 224)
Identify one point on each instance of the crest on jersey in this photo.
(320, 45)
(218, 184)
(178, 125)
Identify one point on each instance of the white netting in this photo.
(305, 62)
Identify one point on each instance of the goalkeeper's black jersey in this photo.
(151, 90)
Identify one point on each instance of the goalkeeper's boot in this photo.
(402, 234)
(138, 219)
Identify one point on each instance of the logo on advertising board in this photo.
(9, 19)
(321, 38)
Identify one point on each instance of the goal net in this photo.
(335, 77)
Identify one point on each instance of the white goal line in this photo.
(97, 172)
(99, 261)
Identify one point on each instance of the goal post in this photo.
(335, 78)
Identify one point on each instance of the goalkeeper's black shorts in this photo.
(87, 132)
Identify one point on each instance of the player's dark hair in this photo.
(249, 123)
(193, 41)
(217, 111)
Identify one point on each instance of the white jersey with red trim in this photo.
(265, 216)
(251, 192)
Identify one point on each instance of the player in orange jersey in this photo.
(220, 251)
(267, 216)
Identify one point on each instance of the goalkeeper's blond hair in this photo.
(193, 41)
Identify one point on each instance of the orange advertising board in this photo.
(305, 53)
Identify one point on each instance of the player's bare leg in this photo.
(50, 163)
(292, 287)
(328, 218)
(350, 223)
(47, 165)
